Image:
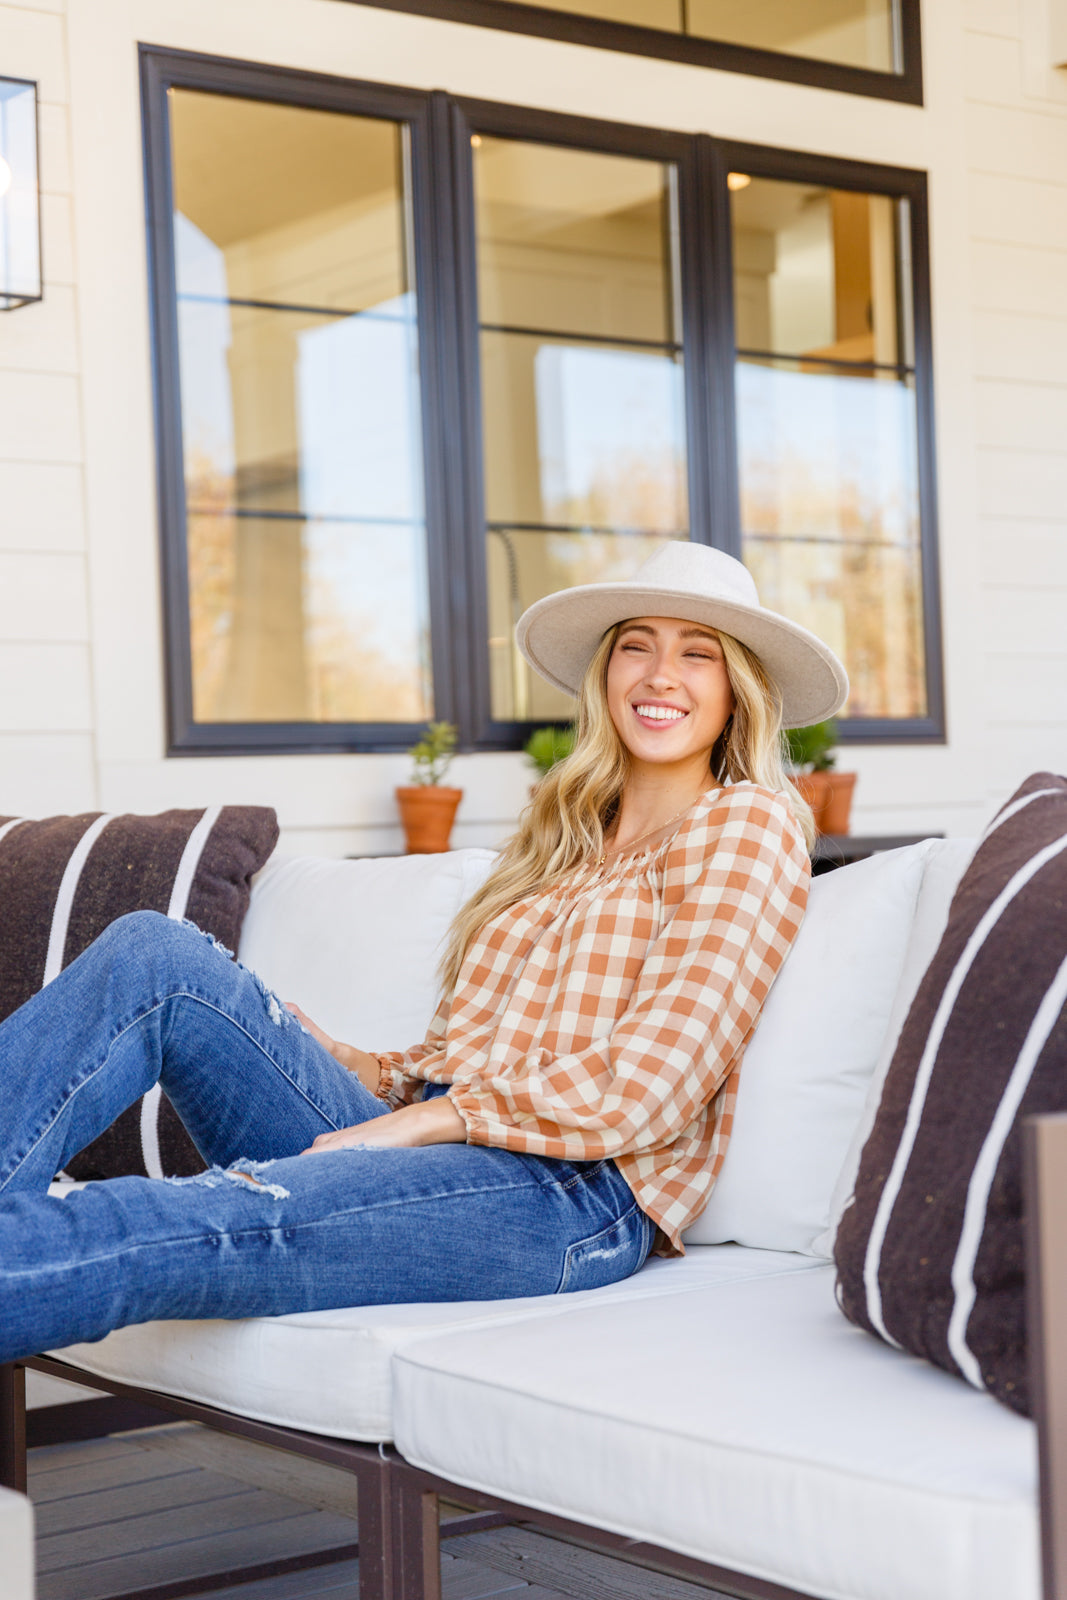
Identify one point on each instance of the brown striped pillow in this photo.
(62, 880)
(930, 1252)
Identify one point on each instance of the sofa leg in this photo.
(13, 1427)
(417, 1542)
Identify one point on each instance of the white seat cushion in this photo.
(330, 1371)
(748, 1425)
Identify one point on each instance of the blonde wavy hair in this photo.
(575, 803)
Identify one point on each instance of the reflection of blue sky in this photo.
(599, 410)
(204, 344)
(823, 444)
(359, 421)
(358, 433)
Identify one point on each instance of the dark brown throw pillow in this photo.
(930, 1253)
(62, 880)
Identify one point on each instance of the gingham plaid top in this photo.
(606, 1015)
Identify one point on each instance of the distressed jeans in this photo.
(266, 1230)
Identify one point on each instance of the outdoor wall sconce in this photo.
(20, 208)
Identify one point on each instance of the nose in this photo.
(660, 677)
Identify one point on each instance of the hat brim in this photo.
(558, 636)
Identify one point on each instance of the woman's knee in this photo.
(149, 937)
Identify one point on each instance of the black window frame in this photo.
(573, 28)
(442, 201)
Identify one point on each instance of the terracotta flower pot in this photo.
(829, 794)
(838, 807)
(427, 812)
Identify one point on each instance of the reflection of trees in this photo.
(646, 491)
(857, 582)
(344, 678)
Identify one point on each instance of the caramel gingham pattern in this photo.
(606, 1016)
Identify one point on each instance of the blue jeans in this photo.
(266, 1230)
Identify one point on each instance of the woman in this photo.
(569, 1109)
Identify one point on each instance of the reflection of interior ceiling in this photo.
(282, 163)
(782, 24)
(532, 189)
(771, 206)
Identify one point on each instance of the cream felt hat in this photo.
(559, 634)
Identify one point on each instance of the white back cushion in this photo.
(945, 865)
(356, 943)
(807, 1067)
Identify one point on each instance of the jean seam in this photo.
(157, 1005)
(580, 1244)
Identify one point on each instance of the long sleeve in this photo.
(397, 1084)
(733, 893)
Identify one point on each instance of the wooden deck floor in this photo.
(170, 1505)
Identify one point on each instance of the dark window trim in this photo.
(440, 129)
(573, 28)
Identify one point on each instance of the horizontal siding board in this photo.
(1015, 211)
(1019, 484)
(43, 336)
(1026, 687)
(43, 597)
(54, 129)
(57, 239)
(1021, 416)
(1023, 552)
(47, 774)
(1032, 349)
(1017, 144)
(993, 16)
(39, 416)
(993, 70)
(41, 506)
(44, 688)
(1027, 622)
(1012, 277)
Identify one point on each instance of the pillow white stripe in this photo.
(194, 849)
(985, 1168)
(153, 1161)
(57, 937)
(1013, 810)
(888, 1198)
(7, 827)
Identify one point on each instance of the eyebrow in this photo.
(694, 632)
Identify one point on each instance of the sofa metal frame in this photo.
(398, 1504)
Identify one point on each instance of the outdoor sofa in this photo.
(714, 1416)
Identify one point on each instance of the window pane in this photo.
(830, 513)
(827, 428)
(298, 358)
(853, 33)
(582, 381)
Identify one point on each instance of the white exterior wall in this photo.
(81, 656)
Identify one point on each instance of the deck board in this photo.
(180, 1502)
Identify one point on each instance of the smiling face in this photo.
(668, 692)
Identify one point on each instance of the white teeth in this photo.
(660, 713)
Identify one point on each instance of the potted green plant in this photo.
(812, 755)
(546, 746)
(428, 807)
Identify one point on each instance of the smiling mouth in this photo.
(660, 713)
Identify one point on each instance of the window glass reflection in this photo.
(827, 428)
(581, 378)
(298, 357)
(853, 33)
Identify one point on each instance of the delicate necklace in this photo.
(657, 829)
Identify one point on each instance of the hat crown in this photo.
(699, 570)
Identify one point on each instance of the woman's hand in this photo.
(433, 1121)
(361, 1062)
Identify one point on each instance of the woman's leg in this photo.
(154, 999)
(360, 1226)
